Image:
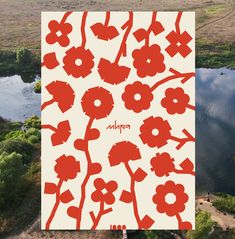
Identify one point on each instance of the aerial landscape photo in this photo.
(20, 117)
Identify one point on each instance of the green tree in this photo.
(11, 180)
(204, 226)
(33, 122)
(24, 56)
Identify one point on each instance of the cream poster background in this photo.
(122, 214)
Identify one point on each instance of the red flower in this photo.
(104, 32)
(148, 60)
(112, 73)
(137, 96)
(104, 191)
(59, 33)
(162, 164)
(155, 132)
(97, 102)
(176, 101)
(78, 62)
(67, 167)
(175, 206)
(123, 152)
(178, 43)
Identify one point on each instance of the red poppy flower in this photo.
(59, 33)
(178, 43)
(123, 152)
(137, 96)
(112, 73)
(97, 102)
(104, 191)
(162, 164)
(155, 132)
(78, 62)
(176, 101)
(148, 60)
(67, 167)
(173, 205)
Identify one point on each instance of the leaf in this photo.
(140, 34)
(66, 197)
(50, 188)
(187, 165)
(50, 61)
(139, 175)
(126, 197)
(93, 134)
(185, 226)
(73, 212)
(95, 168)
(80, 144)
(146, 222)
(157, 28)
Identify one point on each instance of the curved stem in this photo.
(177, 22)
(184, 172)
(183, 141)
(132, 189)
(65, 17)
(154, 15)
(45, 104)
(48, 126)
(84, 16)
(176, 75)
(107, 18)
(56, 205)
(122, 48)
(86, 179)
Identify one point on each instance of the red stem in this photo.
(177, 22)
(132, 188)
(48, 126)
(176, 75)
(183, 141)
(65, 17)
(56, 205)
(178, 219)
(84, 16)
(122, 48)
(86, 179)
(107, 18)
(191, 107)
(154, 15)
(97, 219)
(45, 104)
(184, 172)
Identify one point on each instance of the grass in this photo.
(225, 203)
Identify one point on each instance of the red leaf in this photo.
(50, 61)
(156, 28)
(62, 133)
(185, 226)
(146, 222)
(139, 175)
(66, 197)
(104, 32)
(50, 188)
(187, 165)
(93, 134)
(80, 144)
(112, 32)
(126, 197)
(73, 212)
(95, 168)
(140, 34)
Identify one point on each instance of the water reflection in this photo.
(215, 124)
(17, 99)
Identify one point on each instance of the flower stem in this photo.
(154, 15)
(48, 126)
(178, 219)
(184, 172)
(45, 104)
(84, 16)
(86, 179)
(132, 188)
(177, 22)
(122, 48)
(56, 205)
(176, 75)
(183, 141)
(107, 18)
(65, 17)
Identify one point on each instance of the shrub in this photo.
(24, 57)
(33, 122)
(11, 179)
(225, 203)
(37, 86)
(33, 139)
(19, 146)
(15, 134)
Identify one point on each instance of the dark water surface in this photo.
(215, 122)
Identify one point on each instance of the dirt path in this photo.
(225, 221)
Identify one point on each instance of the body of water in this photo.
(215, 122)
